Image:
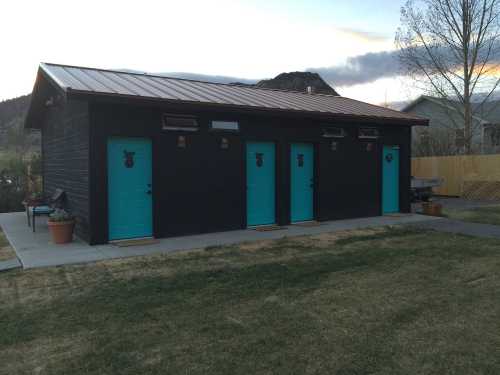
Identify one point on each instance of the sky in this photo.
(350, 43)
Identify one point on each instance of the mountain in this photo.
(298, 81)
(12, 133)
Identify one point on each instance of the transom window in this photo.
(179, 122)
(368, 133)
(225, 125)
(333, 133)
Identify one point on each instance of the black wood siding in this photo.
(65, 150)
(202, 188)
(199, 188)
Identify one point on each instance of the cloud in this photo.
(361, 69)
(364, 36)
(357, 70)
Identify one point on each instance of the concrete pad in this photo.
(37, 250)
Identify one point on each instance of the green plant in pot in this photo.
(61, 225)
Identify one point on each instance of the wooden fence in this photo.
(473, 176)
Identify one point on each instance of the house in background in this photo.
(141, 155)
(445, 134)
(489, 113)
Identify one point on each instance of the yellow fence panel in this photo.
(460, 173)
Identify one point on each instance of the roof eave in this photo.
(71, 93)
(36, 107)
(52, 78)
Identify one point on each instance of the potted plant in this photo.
(61, 224)
(432, 208)
(35, 199)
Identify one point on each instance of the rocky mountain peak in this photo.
(298, 81)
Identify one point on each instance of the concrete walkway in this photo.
(36, 250)
(462, 227)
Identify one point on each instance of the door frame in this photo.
(381, 173)
(154, 221)
(315, 174)
(288, 170)
(277, 176)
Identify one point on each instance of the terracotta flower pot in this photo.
(432, 209)
(62, 231)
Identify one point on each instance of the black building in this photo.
(141, 155)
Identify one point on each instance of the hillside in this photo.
(13, 108)
(12, 134)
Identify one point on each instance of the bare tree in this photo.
(451, 48)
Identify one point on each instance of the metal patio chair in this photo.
(41, 207)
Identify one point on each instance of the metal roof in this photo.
(73, 79)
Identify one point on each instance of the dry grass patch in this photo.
(6, 251)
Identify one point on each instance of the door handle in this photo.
(148, 192)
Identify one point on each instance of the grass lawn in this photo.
(392, 301)
(484, 215)
(6, 251)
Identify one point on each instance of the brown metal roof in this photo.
(72, 79)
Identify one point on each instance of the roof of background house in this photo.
(487, 113)
(422, 98)
(74, 81)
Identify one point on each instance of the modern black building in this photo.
(140, 155)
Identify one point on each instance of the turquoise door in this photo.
(302, 181)
(261, 191)
(390, 179)
(129, 188)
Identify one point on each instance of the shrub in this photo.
(59, 215)
(19, 178)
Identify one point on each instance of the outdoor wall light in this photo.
(181, 141)
(224, 143)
